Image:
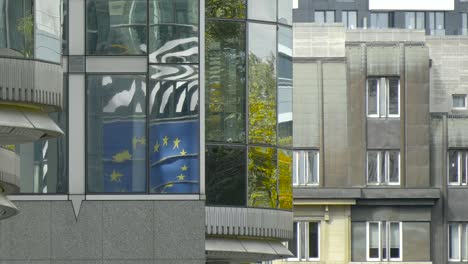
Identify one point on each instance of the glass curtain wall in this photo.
(248, 103)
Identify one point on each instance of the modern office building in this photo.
(178, 131)
(379, 137)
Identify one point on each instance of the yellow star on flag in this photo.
(156, 147)
(181, 177)
(165, 140)
(115, 176)
(183, 152)
(176, 143)
(184, 168)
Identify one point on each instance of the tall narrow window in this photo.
(373, 241)
(383, 167)
(305, 168)
(437, 23)
(349, 19)
(458, 167)
(383, 97)
(454, 242)
(305, 244)
(414, 20)
(384, 241)
(381, 20)
(464, 24)
(394, 235)
(322, 17)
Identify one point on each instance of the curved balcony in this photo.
(29, 90)
(247, 234)
(9, 181)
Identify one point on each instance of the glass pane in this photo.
(410, 20)
(431, 20)
(393, 97)
(285, 194)
(64, 28)
(296, 157)
(116, 134)
(314, 240)
(394, 166)
(262, 10)
(383, 20)
(372, 176)
(420, 21)
(262, 182)
(330, 17)
(372, 96)
(292, 244)
(262, 83)
(464, 233)
(285, 86)
(313, 167)
(173, 31)
(373, 20)
(395, 240)
(344, 18)
(373, 240)
(225, 9)
(464, 20)
(16, 28)
(454, 250)
(48, 35)
(319, 17)
(453, 166)
(225, 81)
(285, 11)
(302, 165)
(383, 167)
(440, 23)
(225, 176)
(116, 27)
(383, 233)
(174, 129)
(459, 100)
(463, 166)
(352, 19)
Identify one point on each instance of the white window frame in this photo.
(460, 175)
(301, 155)
(300, 226)
(459, 108)
(384, 225)
(386, 156)
(459, 226)
(347, 18)
(383, 90)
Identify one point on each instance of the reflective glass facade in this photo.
(31, 29)
(248, 103)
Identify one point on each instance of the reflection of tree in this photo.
(262, 177)
(262, 100)
(225, 9)
(26, 27)
(285, 180)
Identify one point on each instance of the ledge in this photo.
(7, 208)
(326, 193)
(248, 222)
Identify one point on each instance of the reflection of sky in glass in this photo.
(262, 40)
(262, 10)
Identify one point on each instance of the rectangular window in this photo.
(414, 20)
(383, 167)
(384, 241)
(383, 97)
(381, 20)
(437, 23)
(464, 24)
(322, 17)
(349, 19)
(457, 167)
(305, 243)
(306, 168)
(457, 240)
(459, 101)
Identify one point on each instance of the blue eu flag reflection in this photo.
(174, 148)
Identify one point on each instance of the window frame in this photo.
(460, 226)
(384, 226)
(383, 90)
(325, 17)
(386, 155)
(432, 15)
(415, 21)
(377, 115)
(460, 175)
(303, 228)
(465, 102)
(302, 156)
(345, 16)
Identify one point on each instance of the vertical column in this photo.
(202, 96)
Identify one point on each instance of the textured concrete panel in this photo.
(383, 60)
(457, 132)
(335, 121)
(177, 226)
(306, 106)
(416, 241)
(391, 213)
(383, 133)
(129, 261)
(437, 151)
(26, 236)
(76, 261)
(358, 245)
(127, 231)
(314, 40)
(76, 238)
(456, 204)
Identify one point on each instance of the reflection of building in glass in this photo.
(167, 109)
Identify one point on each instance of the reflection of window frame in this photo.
(384, 230)
(301, 163)
(461, 241)
(302, 235)
(383, 154)
(462, 167)
(383, 95)
(464, 102)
